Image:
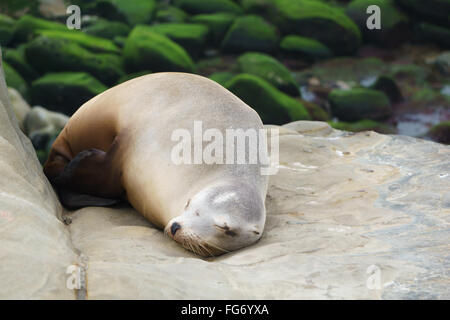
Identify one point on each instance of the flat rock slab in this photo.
(350, 216)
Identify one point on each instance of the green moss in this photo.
(89, 42)
(6, 29)
(441, 132)
(171, 14)
(257, 6)
(435, 10)
(147, 50)
(107, 29)
(27, 26)
(65, 91)
(15, 80)
(53, 54)
(272, 105)
(305, 47)
(315, 112)
(391, 15)
(221, 77)
(269, 69)
(218, 23)
(388, 85)
(317, 20)
(359, 103)
(250, 33)
(362, 125)
(191, 37)
(136, 11)
(16, 58)
(416, 73)
(132, 76)
(210, 6)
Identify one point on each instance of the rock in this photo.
(430, 33)
(317, 20)
(272, 105)
(37, 246)
(394, 23)
(440, 132)
(359, 103)
(19, 106)
(269, 69)
(53, 54)
(210, 6)
(17, 59)
(388, 85)
(442, 63)
(363, 125)
(432, 10)
(304, 47)
(107, 29)
(191, 37)
(65, 91)
(91, 43)
(26, 27)
(132, 12)
(221, 77)
(6, 29)
(250, 33)
(261, 7)
(171, 14)
(52, 8)
(315, 112)
(218, 24)
(15, 80)
(148, 50)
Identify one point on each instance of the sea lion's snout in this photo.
(174, 228)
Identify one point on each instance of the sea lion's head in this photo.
(220, 218)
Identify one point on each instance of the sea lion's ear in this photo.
(73, 200)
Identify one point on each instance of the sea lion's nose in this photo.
(174, 228)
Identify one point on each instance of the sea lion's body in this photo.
(133, 123)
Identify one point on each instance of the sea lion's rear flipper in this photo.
(90, 179)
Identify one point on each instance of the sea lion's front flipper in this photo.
(90, 178)
(73, 200)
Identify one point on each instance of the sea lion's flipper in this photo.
(73, 200)
(91, 173)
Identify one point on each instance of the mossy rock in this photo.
(250, 33)
(440, 132)
(171, 14)
(430, 33)
(16, 58)
(261, 7)
(218, 23)
(107, 29)
(6, 29)
(54, 54)
(147, 50)
(26, 27)
(191, 37)
(362, 125)
(272, 105)
(132, 76)
(92, 43)
(317, 20)
(269, 69)
(14, 80)
(132, 12)
(210, 6)
(305, 48)
(359, 103)
(432, 10)
(388, 85)
(315, 111)
(221, 77)
(65, 91)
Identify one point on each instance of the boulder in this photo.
(210, 6)
(388, 85)
(269, 69)
(432, 10)
(17, 59)
(272, 105)
(27, 26)
(304, 48)
(191, 37)
(250, 33)
(54, 54)
(359, 103)
(218, 24)
(15, 80)
(221, 77)
(107, 29)
(132, 12)
(171, 14)
(317, 20)
(147, 50)
(19, 106)
(65, 91)
(394, 23)
(6, 29)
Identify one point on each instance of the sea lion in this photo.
(119, 144)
